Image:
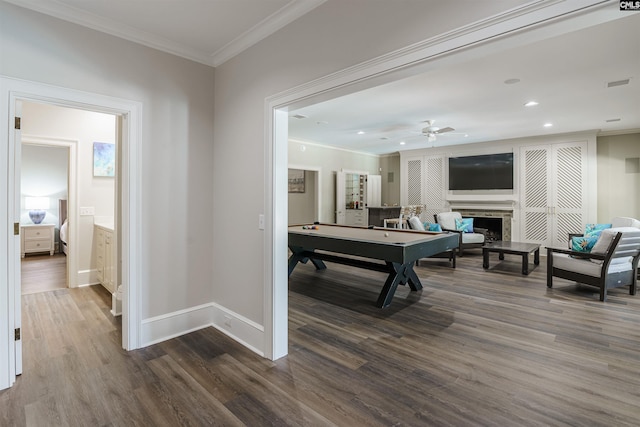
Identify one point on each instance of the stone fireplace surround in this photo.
(505, 217)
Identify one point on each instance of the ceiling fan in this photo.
(430, 131)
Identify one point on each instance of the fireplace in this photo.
(497, 222)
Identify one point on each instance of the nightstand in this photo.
(36, 238)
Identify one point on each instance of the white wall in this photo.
(44, 174)
(176, 148)
(390, 164)
(303, 206)
(618, 181)
(330, 160)
(85, 127)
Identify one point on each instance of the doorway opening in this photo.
(64, 172)
(45, 177)
(127, 211)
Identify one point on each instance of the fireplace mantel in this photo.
(482, 204)
(491, 202)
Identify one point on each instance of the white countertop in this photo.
(104, 224)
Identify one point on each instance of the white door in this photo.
(374, 190)
(14, 272)
(341, 208)
(412, 173)
(554, 195)
(569, 167)
(434, 187)
(536, 197)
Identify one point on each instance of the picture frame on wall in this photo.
(104, 159)
(296, 181)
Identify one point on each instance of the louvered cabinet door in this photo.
(414, 181)
(569, 175)
(554, 195)
(536, 195)
(434, 188)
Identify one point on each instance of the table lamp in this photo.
(36, 206)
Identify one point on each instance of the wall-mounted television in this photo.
(483, 172)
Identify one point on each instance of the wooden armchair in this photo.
(466, 240)
(406, 212)
(612, 262)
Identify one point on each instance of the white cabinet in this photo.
(353, 193)
(554, 193)
(356, 217)
(104, 247)
(425, 183)
(35, 238)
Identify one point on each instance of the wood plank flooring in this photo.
(42, 273)
(474, 347)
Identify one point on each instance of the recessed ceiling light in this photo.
(360, 132)
(466, 135)
(384, 138)
(531, 104)
(548, 125)
(299, 116)
(511, 81)
(322, 122)
(402, 142)
(612, 120)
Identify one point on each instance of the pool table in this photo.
(398, 249)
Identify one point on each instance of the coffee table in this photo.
(516, 248)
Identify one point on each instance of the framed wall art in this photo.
(296, 181)
(104, 159)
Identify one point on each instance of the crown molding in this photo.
(290, 12)
(287, 14)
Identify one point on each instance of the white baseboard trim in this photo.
(245, 331)
(86, 278)
(181, 322)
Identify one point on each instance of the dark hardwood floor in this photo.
(474, 347)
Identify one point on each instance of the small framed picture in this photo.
(296, 181)
(104, 159)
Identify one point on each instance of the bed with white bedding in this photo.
(64, 233)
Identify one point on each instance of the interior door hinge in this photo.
(16, 228)
(17, 123)
(17, 334)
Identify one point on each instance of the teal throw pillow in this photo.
(583, 244)
(432, 226)
(595, 229)
(465, 225)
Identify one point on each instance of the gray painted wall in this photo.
(618, 176)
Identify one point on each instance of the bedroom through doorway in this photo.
(72, 174)
(44, 182)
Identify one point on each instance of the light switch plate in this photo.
(87, 211)
(261, 221)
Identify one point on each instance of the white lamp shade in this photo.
(36, 203)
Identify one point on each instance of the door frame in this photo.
(72, 173)
(12, 91)
(517, 26)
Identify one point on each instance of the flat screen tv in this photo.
(484, 172)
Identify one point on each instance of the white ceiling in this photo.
(567, 75)
(206, 31)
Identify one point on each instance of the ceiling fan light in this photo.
(431, 137)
